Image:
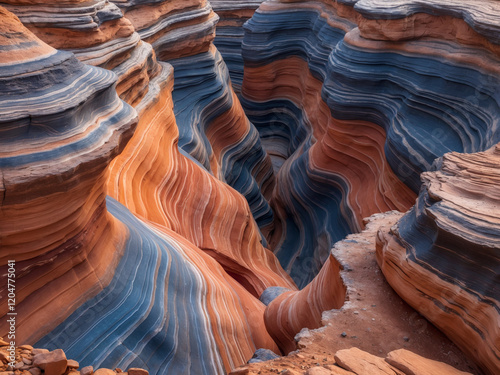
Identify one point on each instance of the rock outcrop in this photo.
(97, 34)
(91, 277)
(142, 80)
(442, 257)
(61, 124)
(354, 98)
(351, 361)
(213, 128)
(230, 32)
(151, 194)
(291, 311)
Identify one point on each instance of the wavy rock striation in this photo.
(347, 103)
(443, 255)
(157, 181)
(92, 278)
(213, 129)
(291, 311)
(97, 34)
(230, 32)
(61, 124)
(353, 100)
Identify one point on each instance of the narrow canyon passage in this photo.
(176, 173)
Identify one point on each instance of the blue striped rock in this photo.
(443, 256)
(315, 72)
(229, 34)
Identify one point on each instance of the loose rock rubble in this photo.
(351, 361)
(34, 361)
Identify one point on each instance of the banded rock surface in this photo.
(61, 123)
(443, 256)
(115, 289)
(346, 140)
(97, 34)
(213, 129)
(351, 117)
(230, 32)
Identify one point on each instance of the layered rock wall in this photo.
(354, 99)
(108, 287)
(61, 125)
(443, 255)
(347, 103)
(230, 32)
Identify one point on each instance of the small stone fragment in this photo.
(104, 371)
(53, 363)
(413, 364)
(26, 347)
(361, 362)
(343, 334)
(73, 364)
(137, 371)
(4, 356)
(35, 371)
(238, 371)
(262, 355)
(87, 370)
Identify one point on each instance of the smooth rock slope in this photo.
(171, 171)
(106, 286)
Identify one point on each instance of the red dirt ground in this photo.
(374, 319)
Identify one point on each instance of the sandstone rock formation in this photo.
(36, 361)
(213, 129)
(230, 32)
(351, 361)
(115, 288)
(146, 184)
(291, 311)
(61, 124)
(97, 34)
(352, 98)
(443, 255)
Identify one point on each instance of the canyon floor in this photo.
(374, 318)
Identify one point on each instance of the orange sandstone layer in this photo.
(159, 184)
(56, 142)
(442, 256)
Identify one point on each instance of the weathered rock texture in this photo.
(354, 98)
(291, 311)
(230, 32)
(443, 255)
(36, 361)
(92, 278)
(97, 34)
(139, 200)
(349, 362)
(61, 123)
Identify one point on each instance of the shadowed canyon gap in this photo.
(176, 173)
